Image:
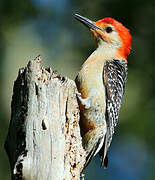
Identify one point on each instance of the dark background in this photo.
(47, 27)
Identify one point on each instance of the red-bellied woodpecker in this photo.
(101, 84)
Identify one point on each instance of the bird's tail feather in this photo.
(103, 153)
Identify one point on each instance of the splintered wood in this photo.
(44, 141)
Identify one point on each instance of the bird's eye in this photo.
(109, 29)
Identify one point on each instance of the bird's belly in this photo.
(93, 89)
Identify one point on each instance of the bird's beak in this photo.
(90, 24)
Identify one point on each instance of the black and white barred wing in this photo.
(114, 78)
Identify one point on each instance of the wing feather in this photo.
(114, 78)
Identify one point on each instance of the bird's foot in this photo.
(85, 102)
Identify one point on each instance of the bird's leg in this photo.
(85, 102)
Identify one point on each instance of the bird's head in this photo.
(109, 33)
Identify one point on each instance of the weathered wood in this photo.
(44, 141)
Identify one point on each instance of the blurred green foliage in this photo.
(47, 27)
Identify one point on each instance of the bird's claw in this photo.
(85, 102)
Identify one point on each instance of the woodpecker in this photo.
(101, 85)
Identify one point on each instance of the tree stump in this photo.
(44, 141)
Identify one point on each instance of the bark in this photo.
(44, 141)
